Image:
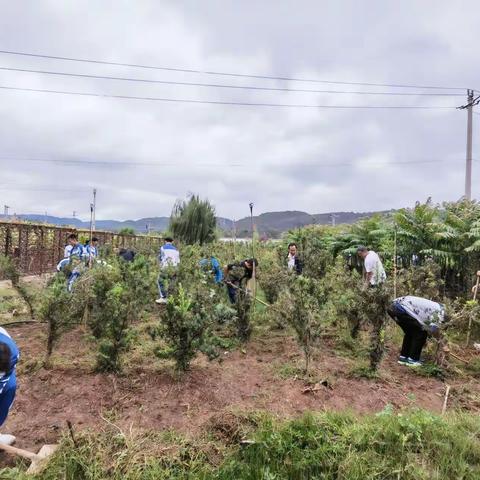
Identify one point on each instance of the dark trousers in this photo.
(415, 337)
(232, 293)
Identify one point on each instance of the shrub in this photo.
(273, 278)
(9, 271)
(117, 335)
(422, 281)
(243, 305)
(55, 311)
(300, 306)
(373, 305)
(185, 323)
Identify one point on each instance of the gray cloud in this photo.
(278, 158)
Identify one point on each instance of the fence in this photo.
(38, 248)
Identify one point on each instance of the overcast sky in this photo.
(312, 159)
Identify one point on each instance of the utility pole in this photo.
(5, 210)
(234, 238)
(468, 169)
(471, 102)
(74, 214)
(94, 206)
(254, 275)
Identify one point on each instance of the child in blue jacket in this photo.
(9, 355)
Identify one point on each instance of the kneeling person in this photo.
(418, 318)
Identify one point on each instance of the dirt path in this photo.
(152, 399)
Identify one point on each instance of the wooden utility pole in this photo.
(468, 169)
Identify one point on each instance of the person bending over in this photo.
(237, 275)
(418, 318)
(211, 265)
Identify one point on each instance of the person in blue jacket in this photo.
(91, 249)
(9, 355)
(75, 260)
(212, 265)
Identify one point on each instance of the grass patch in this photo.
(364, 371)
(430, 370)
(406, 445)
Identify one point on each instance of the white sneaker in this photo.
(6, 439)
(161, 300)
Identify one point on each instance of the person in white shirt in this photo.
(374, 271)
(169, 259)
(418, 318)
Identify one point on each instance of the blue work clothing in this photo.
(8, 380)
(214, 266)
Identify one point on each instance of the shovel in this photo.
(39, 460)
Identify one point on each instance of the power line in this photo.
(217, 85)
(217, 102)
(229, 74)
(102, 163)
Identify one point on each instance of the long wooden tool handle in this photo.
(476, 288)
(19, 452)
(245, 291)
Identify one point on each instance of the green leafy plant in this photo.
(55, 311)
(9, 270)
(185, 324)
(300, 307)
(117, 334)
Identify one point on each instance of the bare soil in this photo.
(148, 396)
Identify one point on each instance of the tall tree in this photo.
(193, 221)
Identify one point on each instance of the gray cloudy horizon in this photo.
(315, 160)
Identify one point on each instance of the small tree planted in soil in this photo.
(185, 323)
(9, 271)
(120, 295)
(373, 305)
(117, 335)
(243, 305)
(300, 306)
(55, 311)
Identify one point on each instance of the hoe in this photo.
(38, 460)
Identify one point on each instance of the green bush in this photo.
(116, 335)
(300, 305)
(9, 270)
(55, 310)
(185, 324)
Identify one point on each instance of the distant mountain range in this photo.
(270, 224)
